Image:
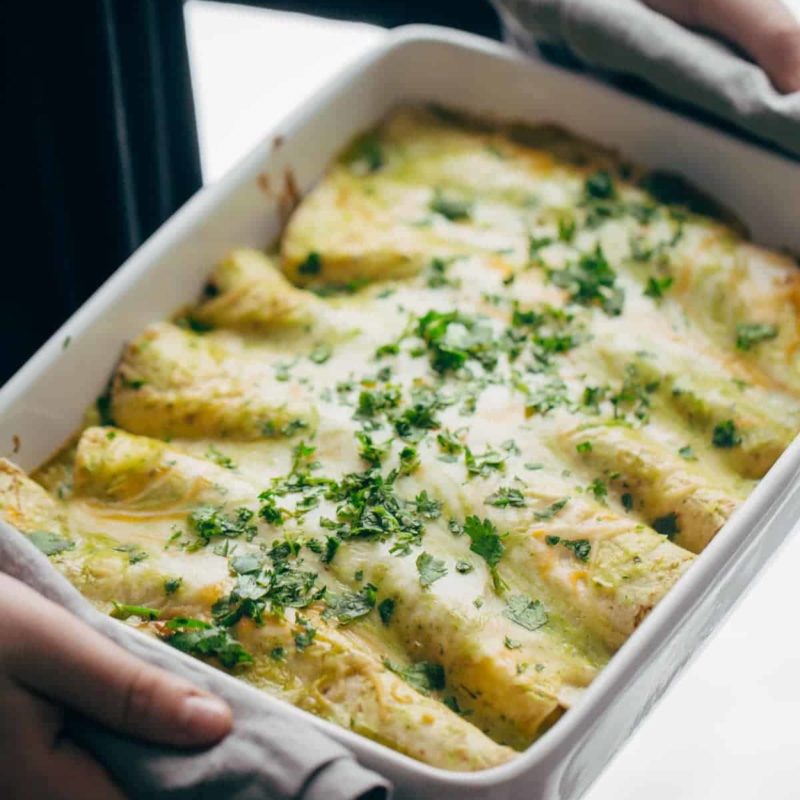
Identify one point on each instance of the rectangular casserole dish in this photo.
(44, 402)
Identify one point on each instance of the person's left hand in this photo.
(50, 662)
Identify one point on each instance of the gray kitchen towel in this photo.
(625, 36)
(269, 755)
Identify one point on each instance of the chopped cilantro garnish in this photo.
(365, 154)
(634, 394)
(351, 605)
(657, 286)
(436, 275)
(424, 676)
(420, 417)
(484, 540)
(277, 653)
(583, 447)
(453, 208)
(600, 186)
(321, 353)
(371, 453)
(51, 544)
(219, 458)
(591, 281)
(409, 460)
(103, 405)
(171, 585)
(551, 510)
(312, 264)
(506, 496)
(123, 611)
(202, 639)
(209, 523)
(581, 548)
(331, 548)
(725, 435)
(386, 610)
(452, 338)
(451, 701)
(667, 525)
(749, 334)
(292, 427)
(546, 397)
(484, 463)
(567, 228)
(135, 552)
(687, 452)
(269, 510)
(304, 635)
(536, 244)
(427, 507)
(430, 569)
(454, 527)
(369, 508)
(245, 564)
(530, 614)
(372, 403)
(448, 442)
(593, 396)
(598, 488)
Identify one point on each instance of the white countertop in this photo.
(728, 729)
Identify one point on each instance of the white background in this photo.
(730, 727)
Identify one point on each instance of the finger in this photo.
(58, 656)
(765, 29)
(35, 762)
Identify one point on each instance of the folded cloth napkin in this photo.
(625, 36)
(268, 755)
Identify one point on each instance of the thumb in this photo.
(63, 659)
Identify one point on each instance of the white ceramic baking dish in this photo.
(42, 405)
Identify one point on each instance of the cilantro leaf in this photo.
(581, 548)
(386, 610)
(506, 496)
(321, 353)
(452, 208)
(427, 507)
(123, 611)
(312, 264)
(725, 435)
(667, 525)
(210, 522)
(424, 676)
(51, 544)
(657, 286)
(530, 614)
(591, 281)
(551, 510)
(430, 569)
(484, 540)
(202, 639)
(351, 605)
(749, 334)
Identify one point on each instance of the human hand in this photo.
(49, 662)
(765, 29)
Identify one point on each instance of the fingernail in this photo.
(204, 718)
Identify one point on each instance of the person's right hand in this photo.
(765, 29)
(51, 661)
